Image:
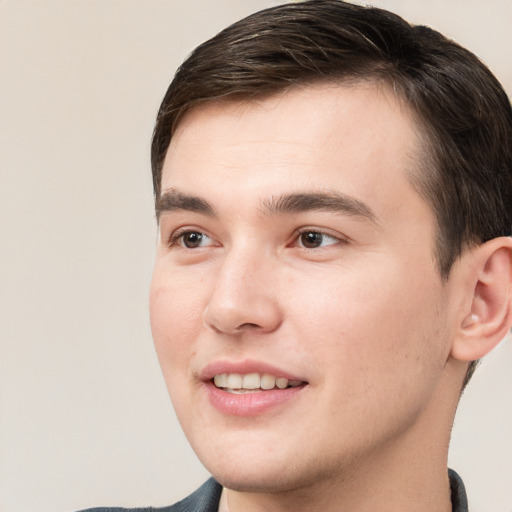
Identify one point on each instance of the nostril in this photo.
(248, 326)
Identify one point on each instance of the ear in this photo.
(488, 312)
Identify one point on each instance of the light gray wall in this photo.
(84, 416)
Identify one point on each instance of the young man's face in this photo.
(292, 245)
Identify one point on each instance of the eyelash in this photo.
(303, 231)
(180, 234)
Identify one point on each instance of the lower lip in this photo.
(249, 404)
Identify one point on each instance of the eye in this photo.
(191, 239)
(314, 239)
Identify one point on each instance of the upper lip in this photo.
(243, 368)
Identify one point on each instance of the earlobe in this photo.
(489, 314)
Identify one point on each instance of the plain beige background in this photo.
(84, 415)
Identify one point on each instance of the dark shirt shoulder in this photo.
(458, 492)
(204, 499)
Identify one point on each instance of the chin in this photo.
(250, 471)
(270, 473)
(260, 482)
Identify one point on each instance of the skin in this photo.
(364, 317)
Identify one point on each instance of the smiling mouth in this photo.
(237, 383)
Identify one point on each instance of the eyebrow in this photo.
(172, 200)
(320, 201)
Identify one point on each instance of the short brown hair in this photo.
(466, 172)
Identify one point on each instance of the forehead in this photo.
(316, 115)
(358, 137)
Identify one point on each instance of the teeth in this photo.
(267, 381)
(221, 381)
(282, 383)
(237, 383)
(234, 381)
(251, 381)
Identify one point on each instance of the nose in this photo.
(244, 297)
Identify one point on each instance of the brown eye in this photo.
(192, 239)
(315, 239)
(311, 239)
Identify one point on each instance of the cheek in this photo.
(175, 316)
(373, 326)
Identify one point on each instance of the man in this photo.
(334, 197)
